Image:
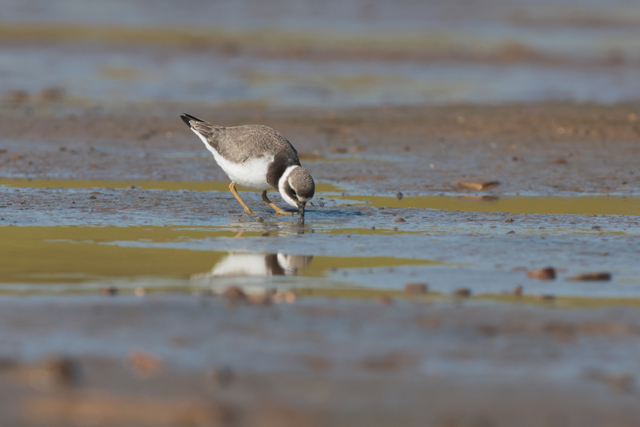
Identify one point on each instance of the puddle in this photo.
(42, 260)
(579, 205)
(82, 256)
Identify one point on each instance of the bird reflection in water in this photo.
(239, 264)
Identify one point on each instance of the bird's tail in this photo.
(188, 119)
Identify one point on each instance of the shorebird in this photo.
(258, 157)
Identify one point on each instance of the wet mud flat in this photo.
(532, 149)
(134, 292)
(315, 362)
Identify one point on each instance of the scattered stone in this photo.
(399, 195)
(517, 291)
(414, 288)
(338, 150)
(560, 161)
(477, 186)
(110, 290)
(356, 148)
(544, 297)
(399, 220)
(509, 220)
(58, 371)
(596, 227)
(144, 364)
(548, 273)
(594, 276)
(223, 377)
(385, 300)
(511, 232)
(92, 197)
(462, 292)
(52, 93)
(17, 96)
(622, 382)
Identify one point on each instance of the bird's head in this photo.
(297, 187)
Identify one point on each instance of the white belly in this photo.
(250, 174)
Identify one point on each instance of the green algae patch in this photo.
(142, 184)
(579, 205)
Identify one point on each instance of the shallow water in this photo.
(175, 240)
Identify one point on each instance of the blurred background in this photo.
(334, 53)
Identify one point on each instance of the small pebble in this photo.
(462, 292)
(548, 273)
(509, 220)
(399, 196)
(545, 297)
(385, 300)
(511, 232)
(622, 382)
(223, 377)
(416, 288)
(595, 276)
(54, 372)
(478, 186)
(111, 290)
(399, 220)
(517, 291)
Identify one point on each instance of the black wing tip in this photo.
(187, 118)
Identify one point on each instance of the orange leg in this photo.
(232, 187)
(277, 209)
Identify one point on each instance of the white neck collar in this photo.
(283, 179)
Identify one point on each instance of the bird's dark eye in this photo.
(293, 193)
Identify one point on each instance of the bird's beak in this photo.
(301, 212)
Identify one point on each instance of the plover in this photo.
(258, 157)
